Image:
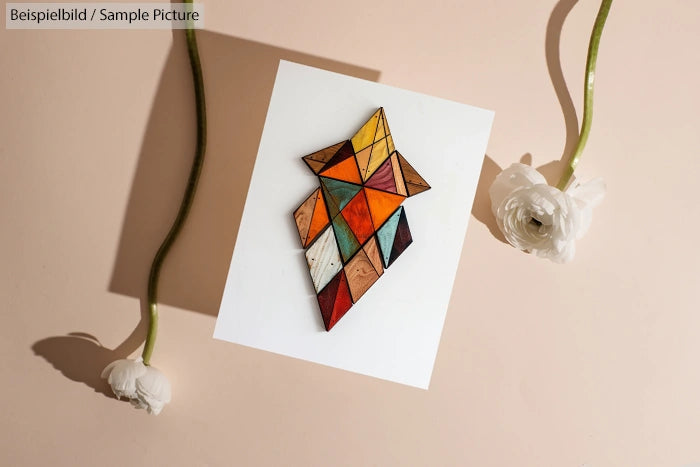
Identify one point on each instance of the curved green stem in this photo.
(587, 93)
(188, 196)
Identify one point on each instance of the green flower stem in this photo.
(188, 196)
(587, 93)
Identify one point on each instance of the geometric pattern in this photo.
(353, 226)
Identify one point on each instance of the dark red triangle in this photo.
(345, 152)
(402, 239)
(326, 298)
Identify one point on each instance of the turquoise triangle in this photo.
(386, 234)
(340, 192)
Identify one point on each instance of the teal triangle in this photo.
(386, 234)
(340, 192)
(331, 202)
(346, 239)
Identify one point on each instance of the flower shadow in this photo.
(79, 357)
(481, 209)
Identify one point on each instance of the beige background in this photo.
(593, 363)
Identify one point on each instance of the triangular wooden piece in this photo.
(326, 298)
(386, 235)
(357, 215)
(402, 239)
(343, 302)
(303, 216)
(380, 153)
(318, 159)
(323, 259)
(345, 170)
(415, 189)
(339, 191)
(361, 275)
(398, 176)
(347, 242)
(383, 178)
(365, 136)
(319, 220)
(410, 175)
(371, 248)
(381, 205)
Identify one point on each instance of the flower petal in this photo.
(153, 391)
(514, 177)
(590, 193)
(122, 375)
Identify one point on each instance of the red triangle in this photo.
(326, 298)
(343, 302)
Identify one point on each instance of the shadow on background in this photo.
(239, 76)
(481, 209)
(79, 357)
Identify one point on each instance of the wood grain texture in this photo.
(303, 215)
(386, 235)
(365, 136)
(381, 205)
(317, 160)
(383, 178)
(319, 220)
(380, 153)
(411, 175)
(361, 275)
(398, 176)
(323, 259)
(371, 249)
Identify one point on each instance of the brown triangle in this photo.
(322, 156)
(411, 176)
(415, 189)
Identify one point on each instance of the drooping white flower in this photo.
(145, 386)
(152, 391)
(541, 219)
(121, 376)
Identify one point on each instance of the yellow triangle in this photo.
(380, 129)
(380, 153)
(365, 135)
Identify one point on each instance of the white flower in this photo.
(121, 376)
(145, 386)
(152, 391)
(541, 219)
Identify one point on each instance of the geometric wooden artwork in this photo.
(353, 226)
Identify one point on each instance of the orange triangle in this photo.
(319, 220)
(381, 205)
(345, 171)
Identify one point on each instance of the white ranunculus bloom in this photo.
(152, 391)
(121, 376)
(541, 219)
(145, 386)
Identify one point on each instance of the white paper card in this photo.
(394, 330)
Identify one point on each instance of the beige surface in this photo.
(591, 363)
